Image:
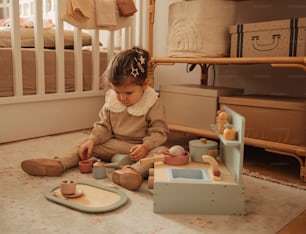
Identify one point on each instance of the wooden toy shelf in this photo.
(296, 151)
(225, 142)
(285, 62)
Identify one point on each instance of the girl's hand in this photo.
(85, 149)
(138, 152)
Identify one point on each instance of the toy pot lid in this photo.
(200, 143)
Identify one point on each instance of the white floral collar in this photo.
(147, 100)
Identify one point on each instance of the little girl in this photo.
(132, 121)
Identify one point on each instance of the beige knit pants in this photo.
(105, 152)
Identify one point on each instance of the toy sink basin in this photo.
(188, 175)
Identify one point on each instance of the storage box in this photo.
(268, 39)
(277, 119)
(193, 105)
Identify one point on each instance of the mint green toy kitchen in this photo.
(195, 188)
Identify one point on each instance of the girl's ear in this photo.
(146, 84)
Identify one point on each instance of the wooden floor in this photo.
(296, 226)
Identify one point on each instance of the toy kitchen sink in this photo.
(192, 188)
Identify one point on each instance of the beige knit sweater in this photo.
(143, 122)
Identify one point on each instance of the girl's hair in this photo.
(129, 66)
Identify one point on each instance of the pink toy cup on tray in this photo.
(68, 187)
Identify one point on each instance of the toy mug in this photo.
(99, 170)
(68, 187)
(85, 166)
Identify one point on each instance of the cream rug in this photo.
(24, 209)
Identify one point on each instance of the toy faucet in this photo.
(214, 165)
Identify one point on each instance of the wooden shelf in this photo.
(282, 62)
(231, 60)
(281, 148)
(225, 142)
(274, 61)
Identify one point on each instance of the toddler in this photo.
(132, 121)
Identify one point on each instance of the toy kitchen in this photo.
(207, 179)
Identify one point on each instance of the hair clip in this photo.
(140, 61)
(138, 51)
(134, 71)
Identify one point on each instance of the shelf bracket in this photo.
(204, 74)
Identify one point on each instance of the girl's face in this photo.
(129, 94)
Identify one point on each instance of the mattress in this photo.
(29, 71)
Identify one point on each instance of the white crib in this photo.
(63, 94)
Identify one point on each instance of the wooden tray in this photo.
(96, 198)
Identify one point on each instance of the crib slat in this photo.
(110, 45)
(141, 23)
(59, 43)
(129, 37)
(78, 60)
(16, 48)
(95, 60)
(4, 6)
(39, 46)
(132, 36)
(124, 37)
(138, 23)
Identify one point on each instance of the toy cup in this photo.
(68, 187)
(99, 170)
(85, 166)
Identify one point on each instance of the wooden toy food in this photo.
(175, 157)
(229, 132)
(221, 119)
(176, 150)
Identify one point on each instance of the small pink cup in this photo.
(68, 187)
(85, 166)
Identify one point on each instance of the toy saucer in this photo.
(78, 193)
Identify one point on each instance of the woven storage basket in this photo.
(200, 28)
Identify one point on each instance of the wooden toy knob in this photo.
(150, 182)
